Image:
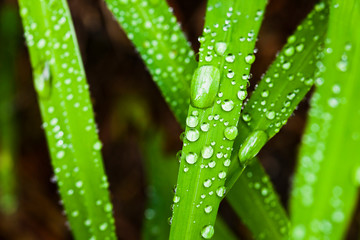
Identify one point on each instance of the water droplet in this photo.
(204, 86)
(231, 132)
(300, 47)
(270, 115)
(250, 59)
(230, 58)
(333, 102)
(191, 158)
(192, 121)
(207, 232)
(192, 135)
(222, 175)
(207, 152)
(286, 65)
(220, 192)
(265, 93)
(252, 145)
(97, 146)
(289, 51)
(207, 183)
(220, 48)
(176, 199)
(42, 80)
(242, 94)
(227, 105)
(205, 127)
(208, 209)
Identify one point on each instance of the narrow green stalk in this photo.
(153, 29)
(284, 85)
(63, 95)
(217, 90)
(9, 26)
(328, 175)
(254, 200)
(161, 174)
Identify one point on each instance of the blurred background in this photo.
(128, 108)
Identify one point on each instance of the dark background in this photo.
(117, 77)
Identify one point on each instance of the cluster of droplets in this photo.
(153, 29)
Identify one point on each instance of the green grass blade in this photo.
(284, 85)
(9, 27)
(152, 28)
(66, 110)
(226, 54)
(327, 179)
(161, 174)
(256, 203)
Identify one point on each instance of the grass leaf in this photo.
(153, 29)
(280, 90)
(327, 179)
(67, 114)
(226, 54)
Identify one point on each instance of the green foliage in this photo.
(153, 29)
(9, 25)
(327, 179)
(66, 110)
(281, 89)
(258, 205)
(225, 57)
(161, 174)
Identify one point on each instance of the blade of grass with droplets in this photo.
(64, 100)
(152, 28)
(9, 27)
(284, 85)
(255, 201)
(161, 174)
(328, 175)
(226, 54)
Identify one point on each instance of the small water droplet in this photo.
(191, 158)
(205, 127)
(220, 192)
(207, 152)
(242, 94)
(231, 132)
(270, 115)
(192, 121)
(208, 209)
(250, 59)
(230, 58)
(220, 48)
(227, 105)
(207, 183)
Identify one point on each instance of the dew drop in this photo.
(207, 232)
(42, 80)
(192, 135)
(191, 158)
(230, 58)
(220, 192)
(270, 115)
(208, 209)
(231, 132)
(252, 145)
(227, 105)
(205, 127)
(204, 86)
(207, 183)
(289, 51)
(250, 59)
(207, 152)
(192, 121)
(220, 48)
(242, 94)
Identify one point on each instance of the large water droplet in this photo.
(192, 121)
(252, 145)
(220, 192)
(208, 209)
(227, 105)
(207, 232)
(204, 86)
